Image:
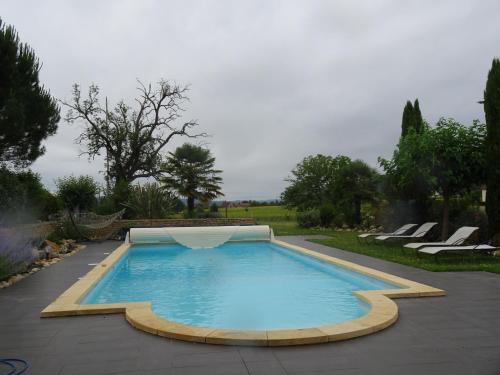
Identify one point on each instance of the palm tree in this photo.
(190, 171)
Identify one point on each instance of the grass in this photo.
(396, 253)
(284, 224)
(261, 213)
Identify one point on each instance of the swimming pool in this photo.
(246, 286)
(236, 286)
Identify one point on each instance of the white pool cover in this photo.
(200, 237)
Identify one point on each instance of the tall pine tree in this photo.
(28, 113)
(412, 118)
(419, 121)
(492, 114)
(407, 121)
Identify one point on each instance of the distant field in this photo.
(262, 213)
(282, 220)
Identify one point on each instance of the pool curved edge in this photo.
(383, 311)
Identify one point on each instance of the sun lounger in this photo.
(402, 230)
(457, 238)
(438, 249)
(419, 233)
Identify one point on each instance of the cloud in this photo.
(272, 81)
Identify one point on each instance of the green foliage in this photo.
(106, 205)
(357, 183)
(326, 214)
(458, 156)
(28, 113)
(5, 268)
(412, 119)
(312, 180)
(120, 194)
(65, 230)
(448, 159)
(253, 203)
(214, 207)
(77, 193)
(337, 181)
(419, 121)
(23, 198)
(190, 172)
(309, 219)
(151, 201)
(492, 114)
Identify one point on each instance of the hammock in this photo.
(95, 227)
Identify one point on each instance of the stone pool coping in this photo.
(383, 311)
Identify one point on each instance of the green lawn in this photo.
(396, 253)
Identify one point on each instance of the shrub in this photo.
(77, 193)
(309, 218)
(17, 251)
(63, 231)
(150, 201)
(23, 198)
(326, 215)
(106, 205)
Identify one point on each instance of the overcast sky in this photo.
(271, 81)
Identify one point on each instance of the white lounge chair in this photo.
(457, 238)
(438, 249)
(419, 233)
(402, 230)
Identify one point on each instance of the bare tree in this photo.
(132, 139)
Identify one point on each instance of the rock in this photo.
(4, 284)
(36, 269)
(55, 247)
(15, 278)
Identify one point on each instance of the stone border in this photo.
(37, 266)
(382, 314)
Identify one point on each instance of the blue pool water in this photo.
(237, 286)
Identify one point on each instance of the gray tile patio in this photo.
(456, 334)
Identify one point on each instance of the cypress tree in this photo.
(412, 118)
(492, 114)
(419, 121)
(408, 119)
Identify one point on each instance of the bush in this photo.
(65, 230)
(368, 214)
(150, 201)
(17, 251)
(106, 205)
(326, 215)
(309, 218)
(23, 198)
(78, 193)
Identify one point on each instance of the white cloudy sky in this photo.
(272, 81)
